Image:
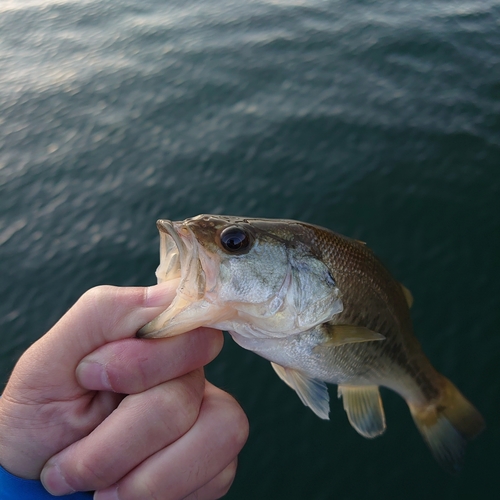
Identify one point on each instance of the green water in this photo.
(380, 120)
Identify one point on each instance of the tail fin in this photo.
(447, 424)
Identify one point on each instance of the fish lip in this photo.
(177, 237)
(172, 252)
(179, 260)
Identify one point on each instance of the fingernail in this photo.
(54, 482)
(93, 375)
(158, 295)
(110, 493)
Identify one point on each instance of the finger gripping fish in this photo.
(322, 308)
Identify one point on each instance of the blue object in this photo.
(16, 488)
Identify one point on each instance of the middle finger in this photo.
(141, 425)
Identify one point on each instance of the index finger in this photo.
(101, 315)
(130, 366)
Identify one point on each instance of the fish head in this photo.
(258, 277)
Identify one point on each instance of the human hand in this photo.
(88, 407)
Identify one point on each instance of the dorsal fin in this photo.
(312, 392)
(408, 295)
(363, 405)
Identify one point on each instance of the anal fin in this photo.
(363, 405)
(313, 393)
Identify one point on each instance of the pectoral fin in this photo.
(348, 334)
(312, 392)
(364, 409)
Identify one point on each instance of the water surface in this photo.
(380, 120)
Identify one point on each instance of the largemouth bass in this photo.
(322, 308)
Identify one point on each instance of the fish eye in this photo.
(235, 240)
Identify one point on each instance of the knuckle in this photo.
(225, 480)
(175, 403)
(218, 486)
(237, 425)
(126, 372)
(95, 295)
(179, 403)
(88, 475)
(96, 301)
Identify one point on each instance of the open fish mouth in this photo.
(172, 252)
(179, 259)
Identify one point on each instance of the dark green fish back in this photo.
(374, 299)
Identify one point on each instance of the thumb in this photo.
(102, 314)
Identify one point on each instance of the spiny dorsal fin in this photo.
(312, 392)
(408, 295)
(348, 334)
(363, 405)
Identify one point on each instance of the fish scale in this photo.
(368, 292)
(321, 308)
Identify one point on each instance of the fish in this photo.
(323, 309)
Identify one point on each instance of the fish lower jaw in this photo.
(185, 315)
